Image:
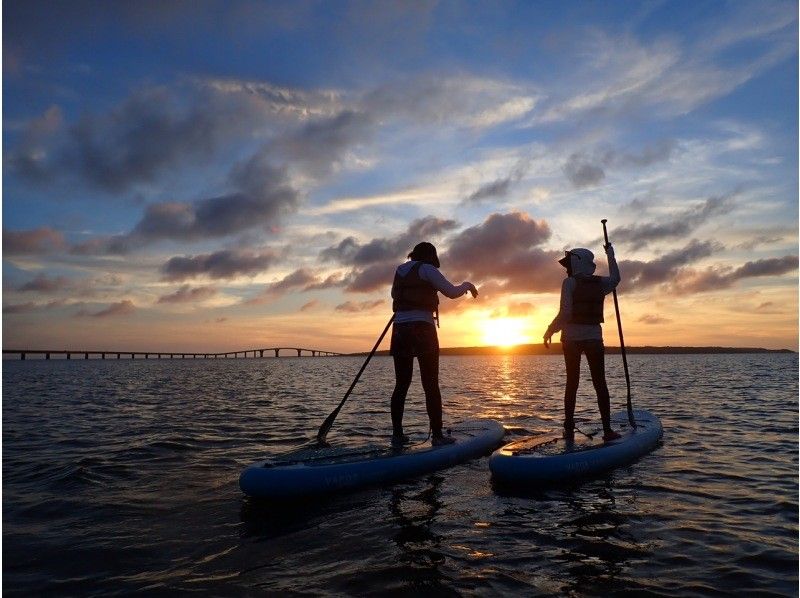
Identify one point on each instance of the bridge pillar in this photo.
(86, 355)
(261, 353)
(47, 355)
(119, 355)
(298, 352)
(276, 352)
(22, 356)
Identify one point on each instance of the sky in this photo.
(219, 176)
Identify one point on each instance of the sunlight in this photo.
(503, 332)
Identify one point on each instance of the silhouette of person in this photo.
(579, 319)
(415, 289)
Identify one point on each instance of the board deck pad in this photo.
(311, 470)
(550, 457)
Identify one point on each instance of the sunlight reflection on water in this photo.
(122, 476)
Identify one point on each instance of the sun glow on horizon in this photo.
(503, 332)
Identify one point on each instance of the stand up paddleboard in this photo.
(318, 471)
(549, 458)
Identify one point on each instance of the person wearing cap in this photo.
(415, 303)
(579, 319)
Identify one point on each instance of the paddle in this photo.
(621, 342)
(328, 423)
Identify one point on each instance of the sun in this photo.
(503, 332)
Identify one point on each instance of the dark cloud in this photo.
(29, 242)
(586, 169)
(154, 130)
(372, 278)
(264, 196)
(221, 264)
(121, 308)
(505, 249)
(712, 279)
(320, 145)
(639, 235)
(351, 252)
(310, 305)
(44, 284)
(299, 279)
(353, 307)
(30, 306)
(186, 294)
(329, 282)
(582, 172)
(497, 189)
(20, 308)
(638, 274)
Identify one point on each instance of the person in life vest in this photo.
(416, 304)
(579, 319)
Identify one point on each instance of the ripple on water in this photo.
(121, 477)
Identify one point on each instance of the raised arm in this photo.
(444, 286)
(611, 281)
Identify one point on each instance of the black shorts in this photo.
(414, 339)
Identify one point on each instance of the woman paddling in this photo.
(579, 319)
(416, 305)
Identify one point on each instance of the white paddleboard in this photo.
(319, 471)
(550, 458)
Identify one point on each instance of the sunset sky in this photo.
(217, 176)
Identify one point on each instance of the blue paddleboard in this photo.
(318, 471)
(549, 458)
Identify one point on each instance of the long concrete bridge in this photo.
(83, 354)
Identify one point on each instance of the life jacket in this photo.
(587, 300)
(410, 292)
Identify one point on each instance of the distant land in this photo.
(555, 349)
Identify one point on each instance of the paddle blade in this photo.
(326, 426)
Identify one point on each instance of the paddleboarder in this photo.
(579, 319)
(416, 308)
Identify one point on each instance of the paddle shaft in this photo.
(328, 423)
(621, 343)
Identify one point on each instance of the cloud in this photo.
(587, 169)
(186, 294)
(302, 279)
(505, 249)
(310, 305)
(155, 129)
(350, 252)
(497, 189)
(219, 265)
(661, 78)
(514, 309)
(638, 275)
(353, 307)
(373, 277)
(653, 320)
(43, 284)
(122, 308)
(20, 308)
(31, 242)
(681, 225)
(712, 279)
(582, 173)
(322, 144)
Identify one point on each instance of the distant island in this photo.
(555, 349)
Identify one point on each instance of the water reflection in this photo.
(415, 512)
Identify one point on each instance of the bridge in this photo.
(246, 353)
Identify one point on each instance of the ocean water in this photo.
(121, 478)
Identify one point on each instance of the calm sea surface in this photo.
(121, 477)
